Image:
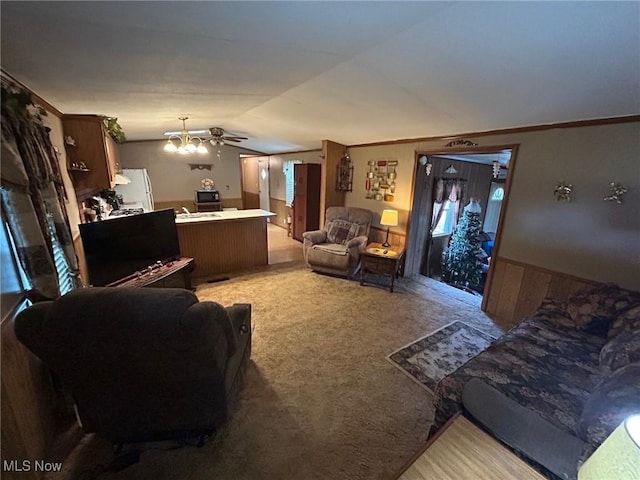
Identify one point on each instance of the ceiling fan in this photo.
(219, 136)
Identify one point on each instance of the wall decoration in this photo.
(344, 177)
(426, 163)
(563, 192)
(461, 142)
(207, 183)
(617, 191)
(200, 166)
(381, 180)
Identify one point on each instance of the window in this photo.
(13, 282)
(287, 168)
(496, 196)
(65, 275)
(446, 223)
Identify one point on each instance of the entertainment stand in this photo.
(172, 274)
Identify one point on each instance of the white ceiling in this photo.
(289, 74)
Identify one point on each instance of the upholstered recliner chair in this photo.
(336, 248)
(142, 363)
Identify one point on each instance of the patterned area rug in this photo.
(433, 357)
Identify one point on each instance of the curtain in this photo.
(33, 195)
(451, 189)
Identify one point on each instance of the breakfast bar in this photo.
(225, 241)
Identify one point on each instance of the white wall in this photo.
(171, 176)
(587, 237)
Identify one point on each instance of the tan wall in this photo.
(170, 174)
(588, 238)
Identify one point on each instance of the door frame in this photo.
(418, 170)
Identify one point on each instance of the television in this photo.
(120, 246)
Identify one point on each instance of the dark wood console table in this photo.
(174, 274)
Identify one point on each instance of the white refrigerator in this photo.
(139, 191)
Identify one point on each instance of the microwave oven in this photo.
(207, 196)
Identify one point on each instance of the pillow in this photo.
(593, 310)
(613, 400)
(341, 231)
(620, 351)
(627, 320)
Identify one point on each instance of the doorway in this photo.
(445, 183)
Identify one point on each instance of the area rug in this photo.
(440, 353)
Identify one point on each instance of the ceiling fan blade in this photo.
(234, 137)
(230, 139)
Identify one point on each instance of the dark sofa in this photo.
(555, 386)
(142, 363)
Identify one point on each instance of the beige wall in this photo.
(170, 174)
(587, 237)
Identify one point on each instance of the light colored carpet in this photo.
(320, 399)
(431, 358)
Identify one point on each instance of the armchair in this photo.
(336, 248)
(142, 363)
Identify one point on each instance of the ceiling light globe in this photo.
(190, 148)
(201, 149)
(170, 147)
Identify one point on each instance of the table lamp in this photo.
(619, 455)
(389, 218)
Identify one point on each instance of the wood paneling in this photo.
(331, 154)
(517, 289)
(378, 235)
(28, 422)
(251, 200)
(224, 246)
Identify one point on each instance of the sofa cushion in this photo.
(627, 320)
(593, 310)
(341, 231)
(620, 351)
(613, 400)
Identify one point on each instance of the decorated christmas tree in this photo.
(461, 265)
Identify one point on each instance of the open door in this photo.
(480, 173)
(263, 181)
(250, 174)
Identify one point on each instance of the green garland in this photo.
(114, 129)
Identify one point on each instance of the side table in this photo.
(380, 260)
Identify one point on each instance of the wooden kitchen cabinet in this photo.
(94, 149)
(306, 198)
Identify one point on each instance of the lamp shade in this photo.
(389, 218)
(619, 455)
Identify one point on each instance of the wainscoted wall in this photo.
(378, 234)
(279, 207)
(518, 288)
(28, 423)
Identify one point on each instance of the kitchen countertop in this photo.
(200, 217)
